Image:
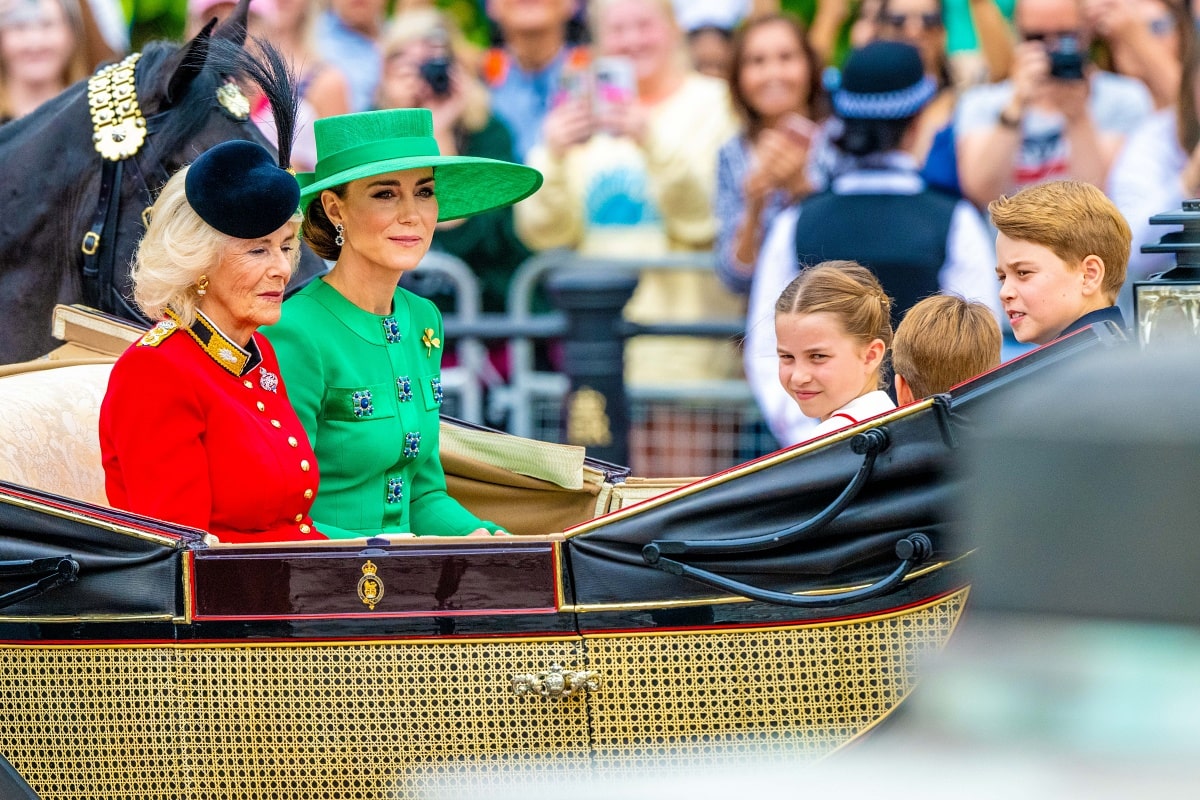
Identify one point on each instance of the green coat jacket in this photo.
(368, 391)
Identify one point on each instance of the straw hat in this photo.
(355, 146)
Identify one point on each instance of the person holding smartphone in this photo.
(775, 83)
(629, 156)
(1058, 117)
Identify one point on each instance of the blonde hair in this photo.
(850, 292)
(77, 67)
(596, 8)
(416, 24)
(1073, 220)
(176, 250)
(944, 340)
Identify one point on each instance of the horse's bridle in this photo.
(119, 131)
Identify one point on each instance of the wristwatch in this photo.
(1006, 121)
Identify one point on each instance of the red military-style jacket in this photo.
(199, 431)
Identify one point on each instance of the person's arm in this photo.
(1156, 66)
(987, 158)
(1089, 155)
(552, 216)
(682, 170)
(990, 138)
(730, 209)
(775, 269)
(827, 24)
(970, 267)
(157, 447)
(995, 37)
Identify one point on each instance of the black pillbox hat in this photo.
(239, 189)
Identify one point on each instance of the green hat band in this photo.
(380, 150)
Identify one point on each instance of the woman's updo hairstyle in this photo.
(847, 290)
(318, 230)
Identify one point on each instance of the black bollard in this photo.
(596, 410)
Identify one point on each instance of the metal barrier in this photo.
(696, 429)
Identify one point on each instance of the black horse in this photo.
(70, 219)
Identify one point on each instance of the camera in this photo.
(1066, 59)
(436, 73)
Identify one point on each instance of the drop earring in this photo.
(202, 285)
(339, 240)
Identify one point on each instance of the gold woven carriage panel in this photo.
(697, 697)
(341, 720)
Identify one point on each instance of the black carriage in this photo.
(781, 607)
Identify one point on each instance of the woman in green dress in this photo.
(364, 355)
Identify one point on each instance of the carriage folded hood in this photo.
(121, 569)
(911, 487)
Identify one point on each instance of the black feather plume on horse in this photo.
(60, 198)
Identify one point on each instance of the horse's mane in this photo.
(187, 119)
(224, 60)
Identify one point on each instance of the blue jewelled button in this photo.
(436, 384)
(395, 490)
(404, 389)
(412, 445)
(391, 331)
(361, 403)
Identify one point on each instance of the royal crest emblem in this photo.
(370, 585)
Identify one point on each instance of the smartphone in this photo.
(574, 83)
(615, 81)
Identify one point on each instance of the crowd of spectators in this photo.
(697, 125)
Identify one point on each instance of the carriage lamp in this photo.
(1167, 305)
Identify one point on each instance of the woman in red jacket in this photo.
(196, 427)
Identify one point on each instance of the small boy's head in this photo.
(941, 342)
(1061, 253)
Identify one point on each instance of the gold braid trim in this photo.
(220, 349)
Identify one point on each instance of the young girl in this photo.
(833, 327)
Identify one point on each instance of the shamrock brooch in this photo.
(430, 341)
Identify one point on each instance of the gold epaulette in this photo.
(158, 334)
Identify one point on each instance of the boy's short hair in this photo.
(1073, 220)
(944, 340)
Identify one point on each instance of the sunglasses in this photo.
(1043, 36)
(930, 20)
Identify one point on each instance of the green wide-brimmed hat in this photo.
(354, 146)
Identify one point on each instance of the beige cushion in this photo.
(49, 430)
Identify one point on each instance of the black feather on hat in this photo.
(239, 187)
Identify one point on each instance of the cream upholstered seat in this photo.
(49, 430)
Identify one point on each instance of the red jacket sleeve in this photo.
(152, 431)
